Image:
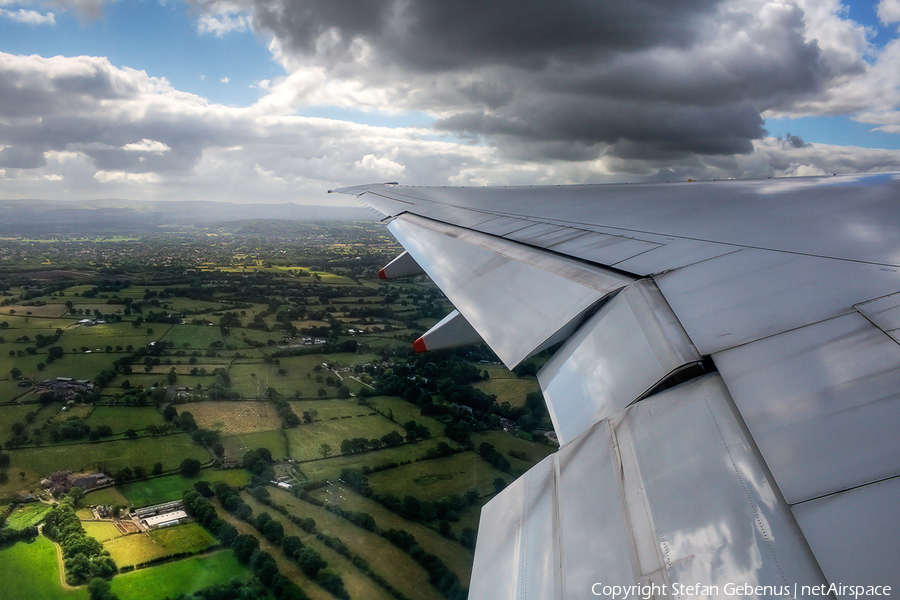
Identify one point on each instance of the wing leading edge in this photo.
(728, 389)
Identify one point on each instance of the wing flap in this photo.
(627, 347)
(667, 495)
(500, 287)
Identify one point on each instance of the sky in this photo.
(278, 101)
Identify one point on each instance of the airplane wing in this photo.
(727, 395)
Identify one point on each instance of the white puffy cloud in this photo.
(889, 11)
(31, 17)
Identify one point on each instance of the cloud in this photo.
(522, 92)
(222, 24)
(572, 80)
(889, 11)
(30, 17)
(146, 145)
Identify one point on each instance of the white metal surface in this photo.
(518, 557)
(402, 266)
(884, 313)
(792, 286)
(822, 403)
(502, 287)
(717, 518)
(751, 294)
(452, 331)
(668, 493)
(627, 347)
(854, 535)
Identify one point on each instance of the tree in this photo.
(76, 494)
(325, 449)
(190, 467)
(15, 373)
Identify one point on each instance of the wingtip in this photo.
(382, 274)
(419, 345)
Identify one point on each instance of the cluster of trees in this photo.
(235, 590)
(448, 378)
(83, 556)
(409, 507)
(10, 536)
(288, 417)
(494, 458)
(99, 589)
(126, 474)
(245, 547)
(259, 462)
(72, 429)
(4, 465)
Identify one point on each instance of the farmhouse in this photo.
(65, 386)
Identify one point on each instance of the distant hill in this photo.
(23, 216)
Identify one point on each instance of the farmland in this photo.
(281, 340)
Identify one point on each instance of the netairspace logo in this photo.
(647, 591)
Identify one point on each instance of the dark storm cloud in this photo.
(607, 77)
(439, 35)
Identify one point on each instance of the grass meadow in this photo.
(304, 441)
(438, 478)
(141, 547)
(170, 450)
(356, 583)
(383, 557)
(27, 515)
(457, 558)
(170, 487)
(102, 531)
(29, 570)
(179, 577)
(232, 418)
(237, 445)
(123, 418)
(330, 468)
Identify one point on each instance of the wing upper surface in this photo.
(790, 289)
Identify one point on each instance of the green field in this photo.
(199, 337)
(170, 450)
(180, 577)
(238, 445)
(123, 418)
(507, 387)
(27, 515)
(357, 584)
(438, 478)
(305, 440)
(166, 489)
(102, 531)
(330, 468)
(29, 570)
(141, 547)
(234, 417)
(396, 566)
(457, 558)
(504, 443)
(403, 411)
(331, 408)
